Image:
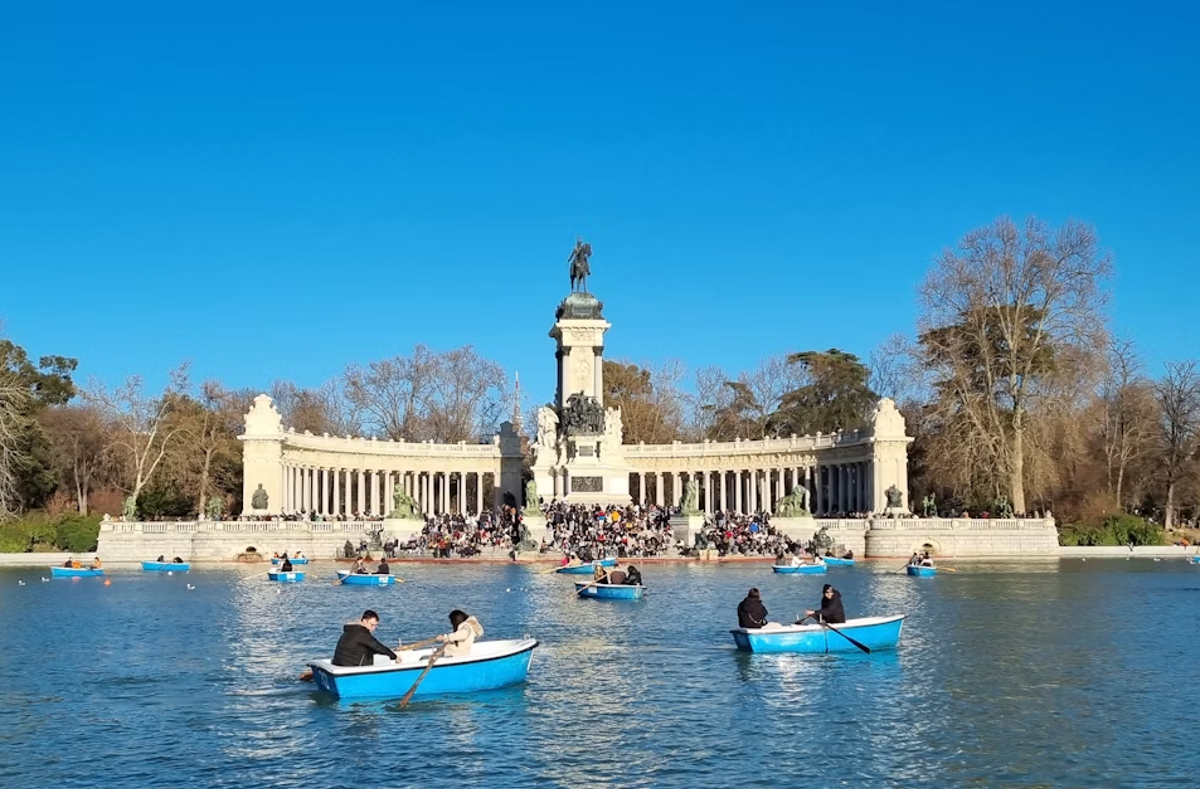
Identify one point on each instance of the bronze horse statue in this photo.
(579, 264)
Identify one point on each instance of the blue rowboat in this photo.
(833, 560)
(1194, 559)
(301, 560)
(491, 664)
(357, 579)
(586, 569)
(285, 577)
(921, 572)
(610, 591)
(802, 569)
(163, 567)
(75, 572)
(874, 632)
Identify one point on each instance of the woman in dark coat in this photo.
(752, 614)
(831, 611)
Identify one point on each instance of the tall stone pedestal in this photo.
(799, 529)
(402, 529)
(684, 528)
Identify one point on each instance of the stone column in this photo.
(446, 492)
(642, 488)
(336, 475)
(598, 372)
(677, 494)
(752, 490)
(708, 507)
(462, 493)
(659, 478)
(737, 491)
(478, 493)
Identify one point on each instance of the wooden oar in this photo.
(417, 644)
(437, 653)
(555, 568)
(828, 626)
(256, 575)
(593, 583)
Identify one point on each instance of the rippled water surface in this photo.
(1038, 675)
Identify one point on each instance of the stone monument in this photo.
(689, 521)
(405, 521)
(792, 516)
(579, 457)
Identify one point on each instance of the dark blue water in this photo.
(1046, 675)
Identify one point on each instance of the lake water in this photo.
(1071, 674)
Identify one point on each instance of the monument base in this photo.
(402, 529)
(799, 529)
(684, 528)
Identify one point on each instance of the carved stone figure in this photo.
(129, 508)
(793, 505)
(579, 264)
(613, 426)
(582, 415)
(929, 506)
(1003, 507)
(532, 507)
(258, 499)
(689, 503)
(213, 507)
(822, 542)
(404, 506)
(895, 498)
(547, 420)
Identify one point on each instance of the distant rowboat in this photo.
(286, 577)
(586, 569)
(610, 591)
(835, 560)
(491, 664)
(921, 571)
(162, 567)
(300, 560)
(75, 572)
(800, 569)
(875, 632)
(1194, 559)
(358, 579)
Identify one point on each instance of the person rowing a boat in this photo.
(358, 646)
(752, 614)
(360, 568)
(383, 568)
(96, 565)
(831, 610)
(466, 630)
(285, 565)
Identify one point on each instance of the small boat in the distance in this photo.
(1194, 559)
(921, 571)
(834, 560)
(873, 632)
(491, 665)
(286, 577)
(359, 579)
(800, 569)
(75, 572)
(610, 591)
(300, 560)
(163, 567)
(587, 568)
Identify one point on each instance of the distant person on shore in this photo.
(383, 568)
(466, 630)
(831, 610)
(358, 646)
(752, 614)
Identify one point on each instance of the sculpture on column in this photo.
(793, 505)
(258, 499)
(895, 498)
(404, 506)
(579, 264)
(213, 507)
(532, 505)
(689, 503)
(582, 414)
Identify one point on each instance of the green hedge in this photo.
(1115, 530)
(71, 532)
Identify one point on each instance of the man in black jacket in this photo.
(752, 614)
(831, 611)
(357, 646)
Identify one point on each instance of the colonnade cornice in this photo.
(856, 439)
(394, 463)
(746, 462)
(373, 447)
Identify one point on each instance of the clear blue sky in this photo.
(278, 193)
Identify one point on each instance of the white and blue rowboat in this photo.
(1194, 559)
(491, 665)
(833, 560)
(358, 579)
(586, 569)
(163, 567)
(610, 591)
(874, 632)
(800, 569)
(301, 560)
(921, 571)
(75, 572)
(285, 577)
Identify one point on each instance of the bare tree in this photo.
(893, 370)
(79, 441)
(209, 424)
(998, 314)
(710, 400)
(1129, 413)
(143, 433)
(1178, 395)
(322, 410)
(15, 425)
